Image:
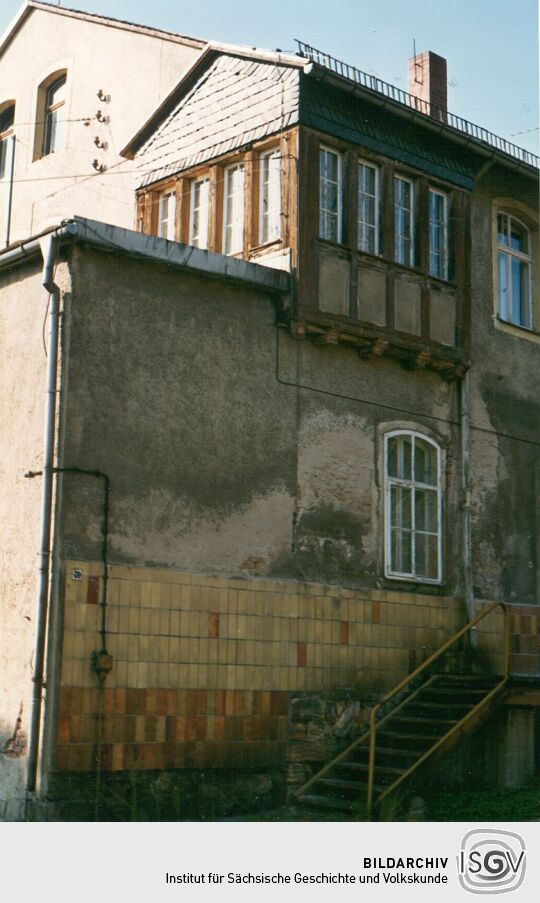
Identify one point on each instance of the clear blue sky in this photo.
(491, 45)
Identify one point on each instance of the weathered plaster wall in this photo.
(136, 70)
(230, 446)
(505, 412)
(23, 304)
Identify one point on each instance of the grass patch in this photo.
(485, 805)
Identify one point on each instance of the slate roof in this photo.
(233, 103)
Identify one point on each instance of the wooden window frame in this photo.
(268, 154)
(199, 180)
(325, 148)
(231, 167)
(377, 224)
(169, 193)
(411, 262)
(445, 243)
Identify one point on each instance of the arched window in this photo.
(50, 114)
(7, 118)
(413, 505)
(514, 271)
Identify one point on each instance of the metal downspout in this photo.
(49, 247)
(10, 190)
(465, 422)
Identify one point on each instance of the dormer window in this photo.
(7, 118)
(167, 215)
(514, 271)
(199, 213)
(233, 205)
(270, 196)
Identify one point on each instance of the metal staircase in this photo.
(422, 718)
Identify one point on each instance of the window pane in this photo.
(438, 240)
(426, 553)
(520, 293)
(401, 551)
(519, 237)
(425, 510)
(401, 507)
(425, 462)
(3, 157)
(403, 221)
(399, 457)
(234, 210)
(503, 285)
(167, 211)
(7, 117)
(200, 194)
(329, 195)
(502, 229)
(367, 208)
(270, 191)
(54, 115)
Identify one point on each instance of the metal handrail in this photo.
(414, 674)
(370, 733)
(372, 83)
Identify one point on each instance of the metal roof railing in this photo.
(461, 125)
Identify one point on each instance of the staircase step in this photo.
(392, 751)
(327, 802)
(364, 767)
(437, 706)
(403, 734)
(341, 784)
(414, 719)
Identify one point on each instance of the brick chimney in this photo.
(427, 84)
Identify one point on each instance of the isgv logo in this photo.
(491, 862)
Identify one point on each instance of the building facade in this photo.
(278, 488)
(87, 83)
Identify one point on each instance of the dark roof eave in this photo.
(320, 73)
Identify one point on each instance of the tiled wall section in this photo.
(524, 628)
(203, 666)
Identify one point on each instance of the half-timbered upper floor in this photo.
(364, 192)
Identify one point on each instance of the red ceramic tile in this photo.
(279, 702)
(63, 734)
(92, 593)
(301, 655)
(220, 702)
(375, 612)
(344, 633)
(213, 625)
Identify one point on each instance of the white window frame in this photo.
(339, 232)
(236, 224)
(269, 218)
(411, 261)
(53, 115)
(167, 225)
(411, 484)
(444, 196)
(510, 254)
(377, 197)
(201, 239)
